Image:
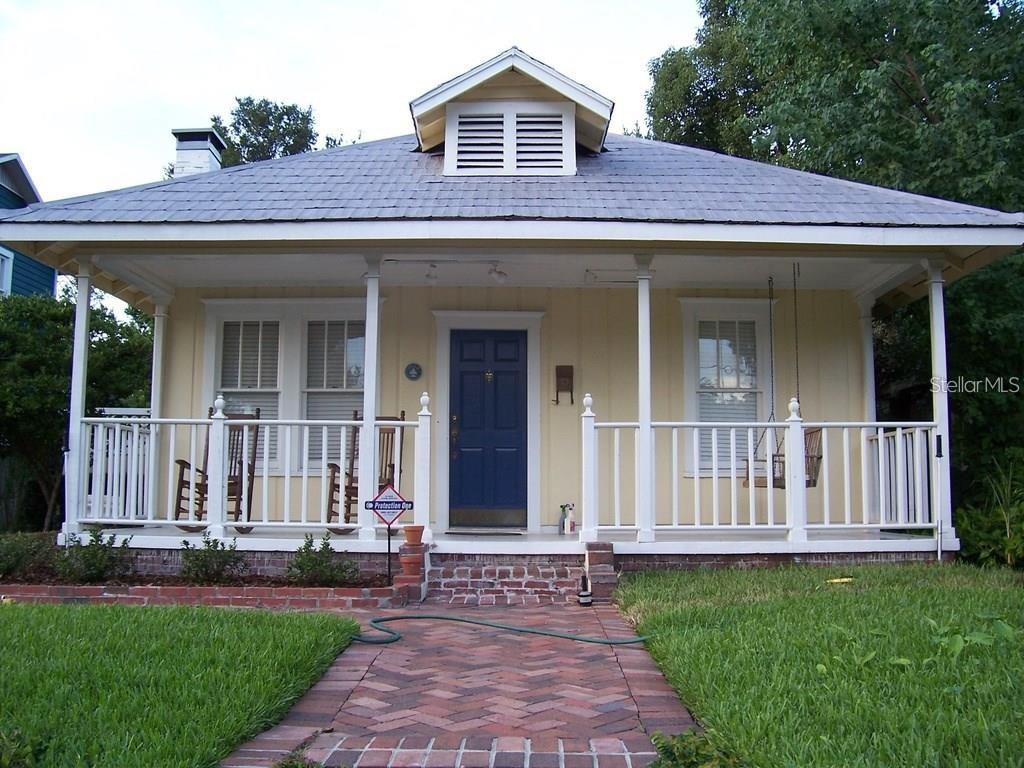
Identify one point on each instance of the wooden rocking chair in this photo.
(812, 464)
(236, 465)
(349, 495)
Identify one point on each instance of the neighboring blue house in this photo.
(20, 274)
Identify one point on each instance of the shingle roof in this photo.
(634, 180)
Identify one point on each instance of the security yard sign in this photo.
(389, 505)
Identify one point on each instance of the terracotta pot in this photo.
(413, 534)
(412, 564)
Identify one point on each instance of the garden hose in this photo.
(393, 636)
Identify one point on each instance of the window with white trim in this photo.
(250, 355)
(726, 361)
(300, 359)
(335, 351)
(6, 271)
(491, 138)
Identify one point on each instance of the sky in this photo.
(100, 85)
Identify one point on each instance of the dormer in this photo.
(511, 116)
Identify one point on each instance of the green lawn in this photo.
(905, 666)
(123, 686)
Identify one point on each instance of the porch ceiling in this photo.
(161, 271)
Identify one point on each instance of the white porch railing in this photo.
(174, 472)
(861, 476)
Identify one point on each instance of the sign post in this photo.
(389, 505)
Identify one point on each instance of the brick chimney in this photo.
(198, 151)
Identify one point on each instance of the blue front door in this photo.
(487, 429)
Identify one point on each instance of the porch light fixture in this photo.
(497, 274)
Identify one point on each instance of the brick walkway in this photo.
(461, 695)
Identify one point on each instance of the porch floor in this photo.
(459, 695)
(721, 540)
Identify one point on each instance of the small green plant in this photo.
(98, 560)
(17, 751)
(320, 566)
(690, 750)
(994, 534)
(294, 760)
(26, 556)
(212, 563)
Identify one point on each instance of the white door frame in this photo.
(449, 320)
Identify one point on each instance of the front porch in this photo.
(644, 466)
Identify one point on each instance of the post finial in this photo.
(794, 408)
(219, 404)
(588, 404)
(424, 404)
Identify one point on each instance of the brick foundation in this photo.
(167, 562)
(280, 598)
(627, 563)
(503, 579)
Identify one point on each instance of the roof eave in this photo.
(28, 191)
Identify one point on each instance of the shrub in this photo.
(213, 563)
(690, 750)
(994, 533)
(98, 560)
(320, 566)
(26, 556)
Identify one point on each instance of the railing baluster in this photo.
(715, 511)
(192, 472)
(733, 487)
(305, 473)
(918, 477)
(286, 514)
(847, 471)
(675, 476)
(323, 475)
(696, 479)
(617, 475)
(244, 506)
(901, 480)
(883, 479)
(770, 473)
(133, 473)
(865, 475)
(265, 474)
(824, 472)
(751, 488)
(172, 476)
(398, 460)
(97, 463)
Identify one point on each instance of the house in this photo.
(538, 313)
(19, 274)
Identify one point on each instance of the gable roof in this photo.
(428, 110)
(635, 180)
(14, 176)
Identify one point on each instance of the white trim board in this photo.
(448, 320)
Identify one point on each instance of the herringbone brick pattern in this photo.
(456, 694)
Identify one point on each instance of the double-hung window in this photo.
(334, 378)
(725, 372)
(294, 360)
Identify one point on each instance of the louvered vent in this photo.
(481, 141)
(539, 140)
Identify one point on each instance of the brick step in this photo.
(559, 582)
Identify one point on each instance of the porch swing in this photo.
(812, 437)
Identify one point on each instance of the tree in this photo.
(35, 382)
(925, 96)
(261, 129)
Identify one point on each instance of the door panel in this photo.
(487, 433)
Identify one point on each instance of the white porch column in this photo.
(940, 398)
(868, 350)
(216, 476)
(368, 434)
(73, 496)
(645, 438)
(588, 495)
(421, 490)
(156, 396)
(796, 475)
